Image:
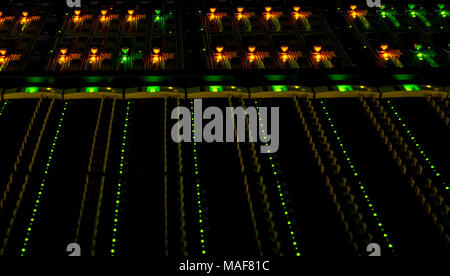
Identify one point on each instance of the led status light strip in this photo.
(197, 187)
(5, 104)
(281, 193)
(413, 140)
(119, 181)
(42, 187)
(364, 188)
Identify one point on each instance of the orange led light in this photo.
(130, 12)
(94, 50)
(93, 59)
(1, 13)
(296, 8)
(2, 59)
(251, 57)
(284, 57)
(284, 48)
(63, 51)
(156, 50)
(240, 9)
(386, 56)
(212, 10)
(317, 48)
(318, 57)
(24, 13)
(353, 7)
(62, 59)
(3, 52)
(384, 47)
(155, 59)
(77, 12)
(104, 12)
(103, 19)
(219, 49)
(268, 9)
(219, 57)
(251, 49)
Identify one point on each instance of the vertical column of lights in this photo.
(281, 193)
(2, 109)
(42, 186)
(413, 140)
(197, 187)
(364, 188)
(117, 200)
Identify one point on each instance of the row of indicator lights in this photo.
(130, 17)
(197, 188)
(120, 181)
(281, 193)
(413, 138)
(44, 180)
(93, 56)
(349, 162)
(5, 103)
(268, 14)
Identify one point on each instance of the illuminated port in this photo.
(279, 88)
(31, 89)
(153, 89)
(216, 88)
(91, 89)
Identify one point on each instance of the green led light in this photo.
(91, 89)
(3, 107)
(279, 88)
(413, 139)
(157, 11)
(344, 88)
(37, 201)
(216, 88)
(153, 89)
(281, 193)
(119, 181)
(411, 87)
(198, 188)
(31, 89)
(364, 189)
